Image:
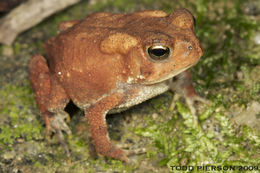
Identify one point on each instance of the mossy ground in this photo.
(228, 75)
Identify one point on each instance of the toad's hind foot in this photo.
(183, 87)
(57, 125)
(190, 101)
(57, 122)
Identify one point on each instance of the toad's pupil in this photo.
(158, 52)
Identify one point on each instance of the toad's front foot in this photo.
(111, 151)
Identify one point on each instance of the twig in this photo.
(27, 15)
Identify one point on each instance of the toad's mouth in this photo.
(166, 77)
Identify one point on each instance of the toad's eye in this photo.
(158, 53)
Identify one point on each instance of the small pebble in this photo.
(7, 51)
(9, 155)
(257, 39)
(154, 115)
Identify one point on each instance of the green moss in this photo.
(17, 117)
(184, 143)
(17, 48)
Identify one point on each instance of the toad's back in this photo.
(77, 59)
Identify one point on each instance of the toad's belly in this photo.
(143, 93)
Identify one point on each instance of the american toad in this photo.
(109, 62)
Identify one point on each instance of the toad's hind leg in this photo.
(183, 87)
(50, 97)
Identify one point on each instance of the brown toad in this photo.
(109, 62)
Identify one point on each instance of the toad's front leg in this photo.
(96, 115)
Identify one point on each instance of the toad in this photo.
(107, 63)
